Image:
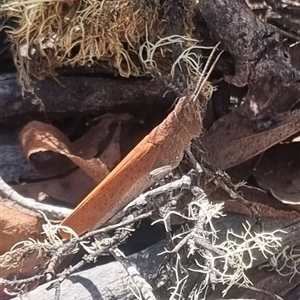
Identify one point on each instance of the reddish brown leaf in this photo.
(40, 137)
(232, 139)
(73, 187)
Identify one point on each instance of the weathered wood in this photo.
(78, 94)
(255, 46)
(106, 282)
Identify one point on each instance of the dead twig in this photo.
(75, 241)
(52, 211)
(183, 183)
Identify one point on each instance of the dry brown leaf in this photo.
(232, 139)
(73, 187)
(16, 224)
(20, 264)
(70, 189)
(244, 170)
(279, 173)
(40, 137)
(87, 146)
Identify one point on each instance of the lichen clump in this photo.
(47, 34)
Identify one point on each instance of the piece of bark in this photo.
(79, 94)
(254, 45)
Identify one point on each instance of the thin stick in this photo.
(52, 211)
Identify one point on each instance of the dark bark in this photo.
(261, 62)
(81, 94)
(254, 45)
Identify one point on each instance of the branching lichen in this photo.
(222, 263)
(191, 57)
(286, 262)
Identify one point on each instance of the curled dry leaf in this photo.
(26, 261)
(70, 189)
(279, 173)
(22, 263)
(233, 140)
(73, 187)
(40, 137)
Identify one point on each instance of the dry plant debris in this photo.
(225, 262)
(220, 262)
(75, 183)
(13, 229)
(266, 116)
(51, 34)
(235, 131)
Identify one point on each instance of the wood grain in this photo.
(164, 145)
